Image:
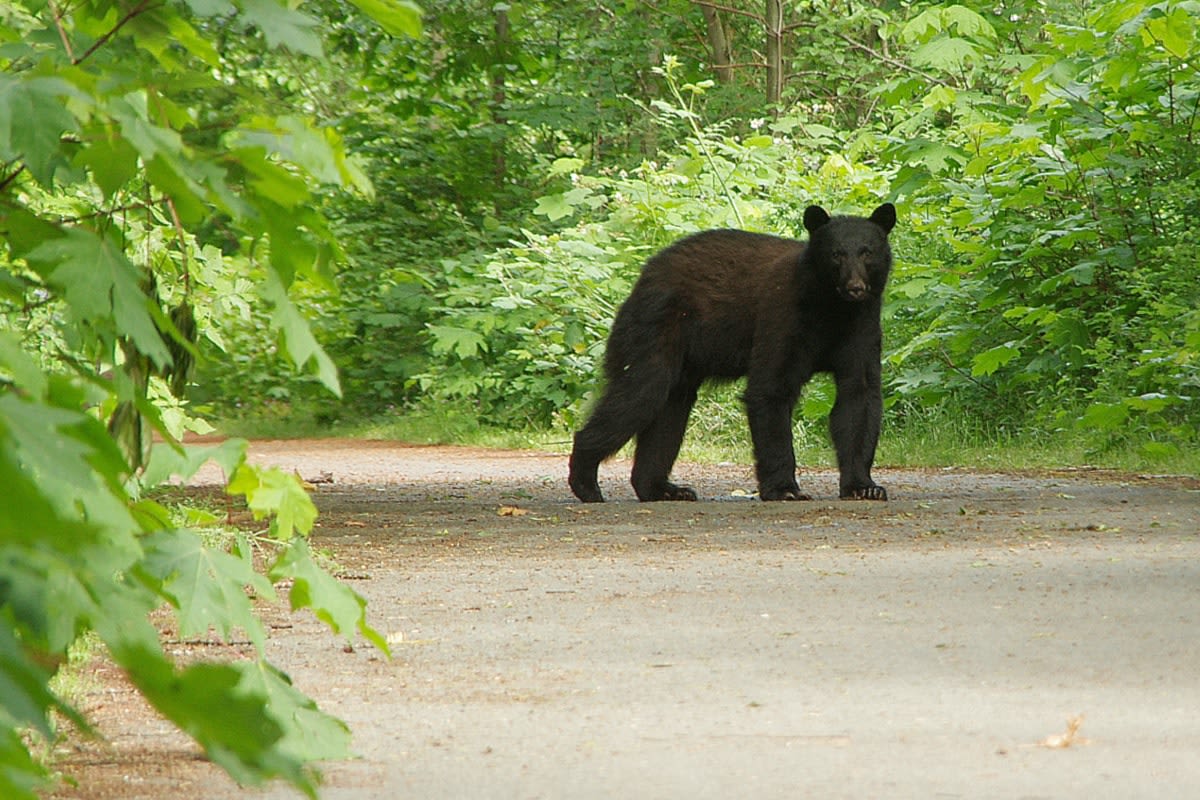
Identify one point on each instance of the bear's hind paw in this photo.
(673, 492)
(587, 494)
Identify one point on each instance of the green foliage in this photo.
(1043, 159)
(145, 193)
(1069, 288)
(1046, 274)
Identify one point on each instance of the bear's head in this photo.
(852, 251)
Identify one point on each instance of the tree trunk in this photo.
(500, 61)
(774, 26)
(718, 42)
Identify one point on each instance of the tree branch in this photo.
(729, 10)
(883, 57)
(12, 176)
(134, 13)
(62, 33)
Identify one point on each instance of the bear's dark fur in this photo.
(726, 303)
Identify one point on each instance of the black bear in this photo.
(726, 303)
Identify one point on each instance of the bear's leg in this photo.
(583, 476)
(854, 427)
(658, 446)
(632, 401)
(606, 431)
(770, 417)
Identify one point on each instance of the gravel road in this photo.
(979, 636)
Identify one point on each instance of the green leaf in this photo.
(33, 119)
(333, 602)
(817, 400)
(228, 718)
(205, 584)
(270, 491)
(1152, 402)
(923, 26)
(273, 180)
(309, 734)
(24, 370)
(1175, 32)
(319, 151)
(946, 54)
(967, 22)
(937, 19)
(1157, 450)
(210, 8)
(183, 461)
(132, 114)
(1105, 416)
(989, 361)
(565, 166)
(100, 284)
(283, 26)
(397, 17)
(25, 698)
(298, 338)
(35, 436)
(461, 341)
(181, 34)
(112, 161)
(554, 207)
(20, 774)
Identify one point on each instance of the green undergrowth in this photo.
(937, 437)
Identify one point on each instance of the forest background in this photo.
(317, 216)
(527, 158)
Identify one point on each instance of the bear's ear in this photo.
(815, 217)
(885, 217)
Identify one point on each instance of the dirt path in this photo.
(927, 647)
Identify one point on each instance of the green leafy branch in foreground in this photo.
(145, 191)
(79, 553)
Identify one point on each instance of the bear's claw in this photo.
(865, 493)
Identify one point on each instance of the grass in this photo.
(431, 424)
(937, 437)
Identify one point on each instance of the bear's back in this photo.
(720, 269)
(708, 287)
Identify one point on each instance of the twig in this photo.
(137, 11)
(183, 250)
(871, 51)
(62, 33)
(731, 10)
(12, 176)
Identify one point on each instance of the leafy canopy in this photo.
(144, 192)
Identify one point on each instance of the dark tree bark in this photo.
(774, 26)
(718, 43)
(503, 44)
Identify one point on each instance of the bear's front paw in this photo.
(865, 493)
(790, 493)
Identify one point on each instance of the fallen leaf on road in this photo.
(511, 511)
(1069, 739)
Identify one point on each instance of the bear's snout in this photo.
(855, 289)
